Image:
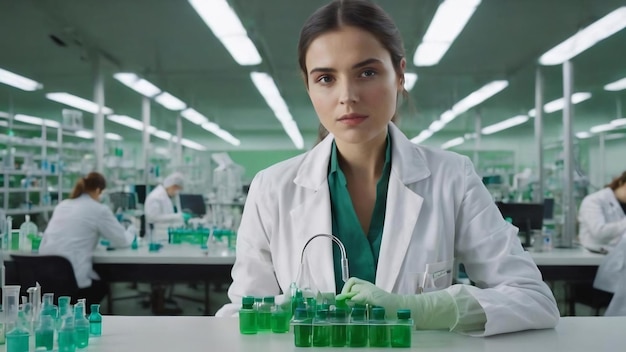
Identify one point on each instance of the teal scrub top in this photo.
(362, 251)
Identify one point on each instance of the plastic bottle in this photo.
(357, 330)
(66, 339)
(81, 326)
(264, 320)
(321, 329)
(280, 319)
(95, 320)
(247, 316)
(401, 330)
(302, 328)
(48, 307)
(379, 330)
(339, 325)
(28, 229)
(44, 334)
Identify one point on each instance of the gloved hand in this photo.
(432, 310)
(186, 217)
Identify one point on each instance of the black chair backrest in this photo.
(54, 273)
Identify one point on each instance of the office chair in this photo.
(54, 273)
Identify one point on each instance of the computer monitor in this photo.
(548, 208)
(525, 216)
(141, 191)
(192, 203)
(123, 200)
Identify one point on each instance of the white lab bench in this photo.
(121, 333)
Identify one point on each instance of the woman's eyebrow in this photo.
(357, 65)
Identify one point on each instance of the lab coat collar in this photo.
(407, 162)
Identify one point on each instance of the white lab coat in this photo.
(159, 210)
(75, 230)
(602, 221)
(437, 211)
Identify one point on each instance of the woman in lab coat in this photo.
(602, 216)
(405, 213)
(159, 208)
(76, 226)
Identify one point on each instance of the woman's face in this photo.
(352, 84)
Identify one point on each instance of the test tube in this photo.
(10, 302)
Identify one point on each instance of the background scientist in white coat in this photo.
(431, 210)
(159, 208)
(602, 216)
(75, 230)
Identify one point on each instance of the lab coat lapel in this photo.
(313, 216)
(403, 207)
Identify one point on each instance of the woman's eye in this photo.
(324, 79)
(368, 73)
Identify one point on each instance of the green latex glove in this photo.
(430, 311)
(186, 217)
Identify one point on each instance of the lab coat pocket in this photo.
(437, 276)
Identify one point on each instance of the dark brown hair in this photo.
(92, 182)
(361, 14)
(618, 181)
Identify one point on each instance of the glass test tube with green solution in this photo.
(302, 328)
(247, 316)
(357, 329)
(264, 317)
(401, 330)
(81, 327)
(321, 329)
(379, 329)
(44, 334)
(66, 339)
(339, 326)
(281, 314)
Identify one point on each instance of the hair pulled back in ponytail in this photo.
(92, 182)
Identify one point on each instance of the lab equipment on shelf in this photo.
(28, 230)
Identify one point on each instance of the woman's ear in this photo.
(401, 80)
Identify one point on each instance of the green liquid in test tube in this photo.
(321, 329)
(402, 329)
(264, 319)
(280, 320)
(357, 330)
(302, 328)
(379, 330)
(339, 326)
(247, 316)
(81, 327)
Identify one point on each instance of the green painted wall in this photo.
(255, 161)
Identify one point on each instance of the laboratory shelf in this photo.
(33, 210)
(29, 173)
(24, 190)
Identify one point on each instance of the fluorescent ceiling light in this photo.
(4, 123)
(617, 85)
(447, 116)
(424, 135)
(453, 143)
(162, 134)
(266, 86)
(470, 135)
(17, 81)
(77, 102)
(4, 114)
(503, 125)
(84, 134)
(477, 97)
(436, 125)
(226, 26)
(586, 38)
(409, 80)
(194, 117)
(216, 130)
(558, 104)
(193, 145)
(602, 128)
(129, 122)
(113, 136)
(137, 84)
(294, 133)
(619, 122)
(170, 102)
(33, 120)
(583, 135)
(449, 20)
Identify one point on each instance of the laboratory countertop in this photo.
(121, 333)
(576, 256)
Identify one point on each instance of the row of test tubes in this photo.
(33, 324)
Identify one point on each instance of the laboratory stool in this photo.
(54, 273)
